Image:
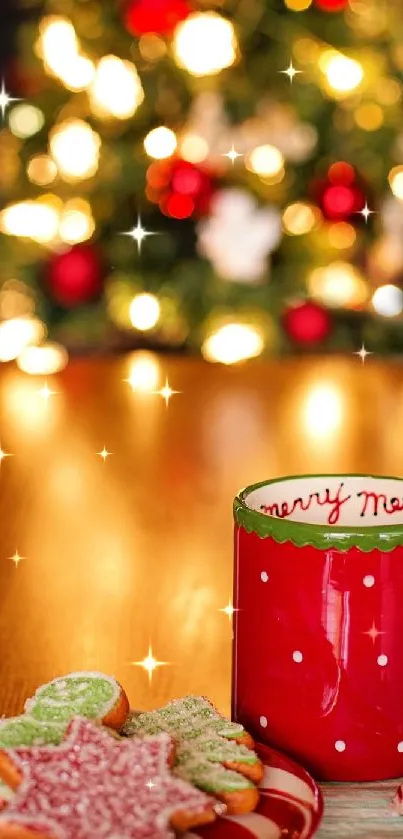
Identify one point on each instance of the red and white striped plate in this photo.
(290, 807)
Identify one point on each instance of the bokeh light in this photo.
(341, 172)
(323, 410)
(60, 49)
(25, 120)
(369, 116)
(78, 73)
(76, 223)
(388, 91)
(205, 43)
(338, 284)
(144, 311)
(16, 300)
(300, 218)
(179, 206)
(395, 178)
(193, 148)
(18, 333)
(116, 90)
(58, 43)
(341, 235)
(152, 47)
(387, 301)
(343, 74)
(298, 5)
(144, 372)
(32, 220)
(43, 360)
(41, 170)
(232, 343)
(75, 148)
(339, 200)
(267, 161)
(160, 142)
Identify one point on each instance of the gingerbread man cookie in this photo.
(213, 753)
(93, 786)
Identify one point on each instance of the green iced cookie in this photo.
(190, 717)
(205, 740)
(219, 750)
(202, 770)
(26, 731)
(89, 695)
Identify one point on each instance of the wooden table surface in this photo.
(137, 551)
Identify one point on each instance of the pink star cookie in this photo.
(93, 786)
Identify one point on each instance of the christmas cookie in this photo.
(91, 695)
(211, 750)
(6, 794)
(26, 731)
(48, 713)
(95, 787)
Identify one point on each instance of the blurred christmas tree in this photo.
(258, 141)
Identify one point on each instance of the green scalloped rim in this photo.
(323, 537)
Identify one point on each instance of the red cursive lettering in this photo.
(284, 509)
(337, 503)
(379, 498)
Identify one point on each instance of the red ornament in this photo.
(179, 206)
(179, 188)
(161, 16)
(341, 173)
(331, 5)
(340, 196)
(339, 201)
(307, 323)
(75, 277)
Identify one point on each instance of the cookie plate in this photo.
(290, 807)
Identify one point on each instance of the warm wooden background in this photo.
(139, 549)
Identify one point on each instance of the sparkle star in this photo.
(138, 234)
(291, 72)
(3, 454)
(373, 633)
(149, 663)
(363, 353)
(45, 392)
(232, 154)
(16, 559)
(166, 392)
(150, 784)
(228, 610)
(366, 212)
(5, 99)
(104, 454)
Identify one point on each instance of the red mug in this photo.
(318, 622)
